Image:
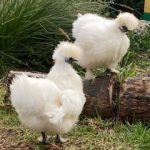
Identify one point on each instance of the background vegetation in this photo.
(29, 30)
(133, 6)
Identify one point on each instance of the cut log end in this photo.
(134, 101)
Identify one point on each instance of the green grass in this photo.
(89, 134)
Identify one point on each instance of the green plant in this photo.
(29, 30)
(133, 6)
(126, 71)
(140, 40)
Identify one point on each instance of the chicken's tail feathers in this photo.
(55, 116)
(127, 20)
(72, 105)
(17, 85)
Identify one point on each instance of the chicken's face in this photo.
(70, 60)
(67, 52)
(123, 29)
(127, 22)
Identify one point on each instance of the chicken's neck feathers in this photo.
(65, 77)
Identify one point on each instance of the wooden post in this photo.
(147, 10)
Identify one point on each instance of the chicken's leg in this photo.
(89, 75)
(111, 68)
(42, 139)
(59, 139)
(111, 71)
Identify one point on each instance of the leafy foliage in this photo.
(29, 30)
(140, 39)
(133, 6)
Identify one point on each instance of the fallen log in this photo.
(134, 99)
(100, 96)
(130, 101)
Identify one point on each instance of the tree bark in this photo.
(100, 96)
(129, 101)
(134, 99)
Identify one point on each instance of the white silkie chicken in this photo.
(104, 41)
(51, 105)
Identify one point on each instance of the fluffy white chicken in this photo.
(54, 104)
(104, 41)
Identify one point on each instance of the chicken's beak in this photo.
(70, 60)
(123, 29)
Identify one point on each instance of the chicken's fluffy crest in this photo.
(128, 20)
(67, 50)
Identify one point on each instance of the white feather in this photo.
(101, 39)
(53, 104)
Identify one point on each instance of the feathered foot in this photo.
(114, 71)
(111, 71)
(42, 139)
(89, 75)
(59, 139)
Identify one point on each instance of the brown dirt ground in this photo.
(9, 141)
